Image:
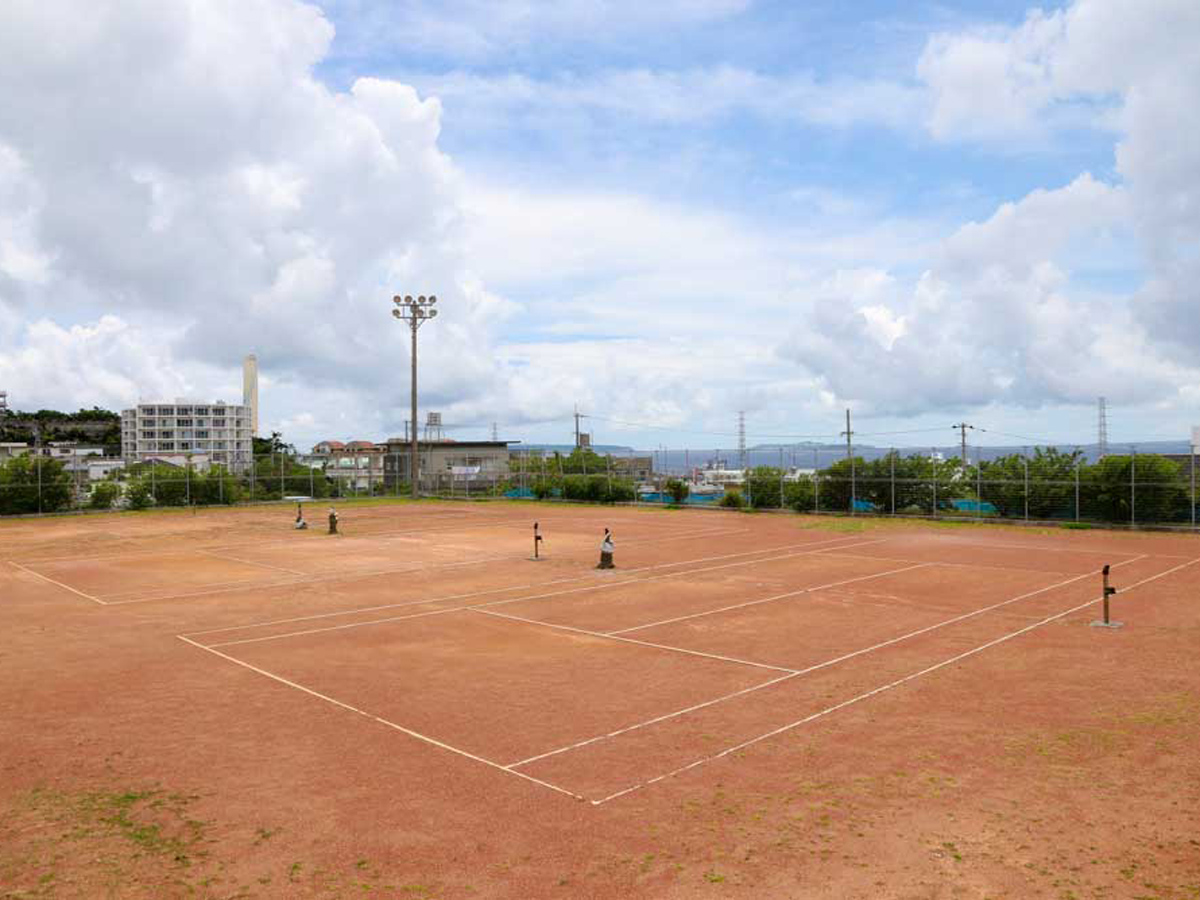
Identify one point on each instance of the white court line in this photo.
(291, 634)
(65, 587)
(625, 640)
(879, 690)
(233, 586)
(273, 543)
(229, 587)
(818, 666)
(654, 721)
(252, 562)
(571, 579)
(482, 606)
(950, 540)
(795, 593)
(414, 734)
(958, 565)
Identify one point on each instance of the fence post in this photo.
(187, 480)
(1078, 463)
(933, 459)
(1133, 485)
(853, 483)
(153, 482)
(816, 482)
(1193, 487)
(892, 457)
(1025, 462)
(38, 460)
(979, 477)
(781, 477)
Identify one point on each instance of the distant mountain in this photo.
(565, 449)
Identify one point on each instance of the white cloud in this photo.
(484, 30)
(179, 164)
(672, 97)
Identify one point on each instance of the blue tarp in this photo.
(979, 506)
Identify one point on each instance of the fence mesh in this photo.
(1127, 488)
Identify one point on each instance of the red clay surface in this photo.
(215, 705)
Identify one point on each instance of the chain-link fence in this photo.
(1045, 484)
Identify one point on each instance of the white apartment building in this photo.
(218, 431)
(193, 431)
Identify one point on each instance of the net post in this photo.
(1106, 622)
(537, 540)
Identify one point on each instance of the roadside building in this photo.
(448, 465)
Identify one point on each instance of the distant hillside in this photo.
(97, 426)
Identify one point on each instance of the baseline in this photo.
(815, 667)
(374, 718)
(881, 689)
(58, 584)
(540, 596)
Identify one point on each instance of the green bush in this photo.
(677, 490)
(597, 489)
(798, 495)
(543, 488)
(33, 484)
(732, 500)
(104, 494)
(138, 494)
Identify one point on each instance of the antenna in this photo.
(1102, 436)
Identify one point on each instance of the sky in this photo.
(659, 214)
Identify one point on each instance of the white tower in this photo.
(250, 390)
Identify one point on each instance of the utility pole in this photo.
(850, 456)
(963, 426)
(1102, 431)
(577, 427)
(415, 313)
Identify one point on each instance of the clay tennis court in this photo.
(748, 705)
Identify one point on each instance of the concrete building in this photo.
(217, 431)
(186, 430)
(448, 465)
(355, 465)
(9, 449)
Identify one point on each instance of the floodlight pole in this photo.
(415, 313)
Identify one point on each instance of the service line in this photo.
(601, 585)
(816, 667)
(882, 688)
(65, 587)
(374, 718)
(228, 587)
(570, 579)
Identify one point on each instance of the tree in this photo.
(798, 495)
(272, 445)
(732, 500)
(104, 494)
(763, 484)
(30, 484)
(677, 489)
(1145, 488)
(280, 475)
(1045, 480)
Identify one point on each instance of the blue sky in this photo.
(662, 213)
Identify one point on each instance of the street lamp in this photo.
(414, 312)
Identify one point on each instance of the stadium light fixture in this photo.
(416, 313)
